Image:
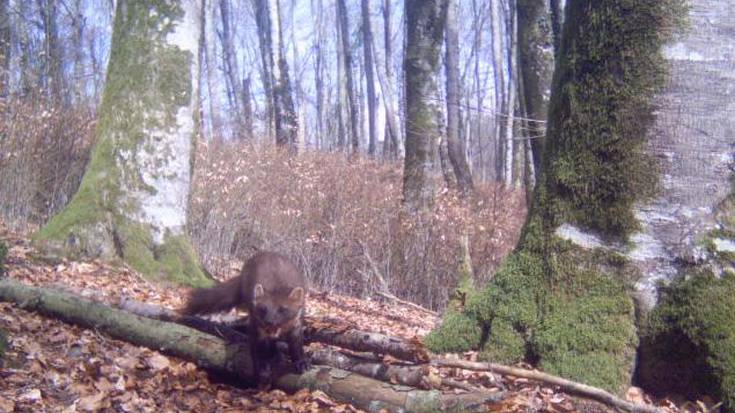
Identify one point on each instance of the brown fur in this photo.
(272, 289)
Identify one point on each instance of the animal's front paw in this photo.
(302, 365)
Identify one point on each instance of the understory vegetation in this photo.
(341, 220)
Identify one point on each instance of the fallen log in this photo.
(233, 359)
(316, 331)
(406, 375)
(565, 385)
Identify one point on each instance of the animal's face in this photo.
(277, 314)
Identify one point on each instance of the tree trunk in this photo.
(425, 22)
(132, 201)
(455, 145)
(562, 298)
(233, 358)
(319, 37)
(52, 63)
(210, 57)
(5, 47)
(501, 110)
(367, 38)
(286, 120)
(247, 111)
(394, 139)
(350, 83)
(509, 120)
(232, 73)
(536, 62)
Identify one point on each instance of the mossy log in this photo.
(219, 356)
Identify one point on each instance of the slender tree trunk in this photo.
(52, 76)
(341, 129)
(500, 87)
(317, 12)
(210, 51)
(263, 23)
(247, 108)
(511, 103)
(232, 73)
(270, 37)
(77, 40)
(455, 145)
(425, 22)
(367, 37)
(395, 143)
(557, 15)
(5, 47)
(347, 55)
(536, 54)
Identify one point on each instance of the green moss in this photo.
(457, 333)
(689, 344)
(148, 81)
(3, 256)
(3, 345)
(608, 69)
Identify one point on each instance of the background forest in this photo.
(347, 89)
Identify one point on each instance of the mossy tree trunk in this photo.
(563, 299)
(132, 201)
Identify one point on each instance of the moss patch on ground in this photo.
(3, 345)
(3, 256)
(689, 343)
(566, 308)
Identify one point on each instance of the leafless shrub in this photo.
(342, 220)
(44, 149)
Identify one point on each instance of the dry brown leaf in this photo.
(158, 362)
(92, 403)
(6, 405)
(33, 395)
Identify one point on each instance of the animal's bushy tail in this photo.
(221, 297)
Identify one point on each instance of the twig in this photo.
(565, 385)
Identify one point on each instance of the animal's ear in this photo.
(297, 294)
(257, 292)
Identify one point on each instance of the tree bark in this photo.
(393, 139)
(425, 21)
(209, 31)
(455, 145)
(132, 201)
(232, 73)
(5, 47)
(286, 120)
(536, 62)
(233, 358)
(350, 83)
(511, 102)
(367, 46)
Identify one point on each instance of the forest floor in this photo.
(51, 366)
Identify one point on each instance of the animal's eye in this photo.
(282, 310)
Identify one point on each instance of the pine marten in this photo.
(272, 290)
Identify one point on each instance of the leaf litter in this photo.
(51, 366)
